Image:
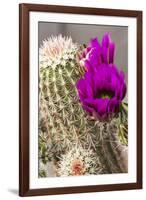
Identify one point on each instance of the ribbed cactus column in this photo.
(112, 153)
(66, 121)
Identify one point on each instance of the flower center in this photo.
(105, 94)
(77, 167)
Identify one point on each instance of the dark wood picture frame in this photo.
(24, 9)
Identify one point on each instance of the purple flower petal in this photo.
(111, 52)
(106, 40)
(102, 106)
(94, 42)
(113, 106)
(104, 54)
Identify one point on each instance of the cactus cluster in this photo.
(64, 124)
(79, 161)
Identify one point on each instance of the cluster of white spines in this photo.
(56, 50)
(78, 161)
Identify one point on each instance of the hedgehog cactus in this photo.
(60, 110)
(62, 119)
(79, 161)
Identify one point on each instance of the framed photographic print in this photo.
(80, 99)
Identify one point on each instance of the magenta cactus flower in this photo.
(102, 88)
(101, 91)
(96, 53)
